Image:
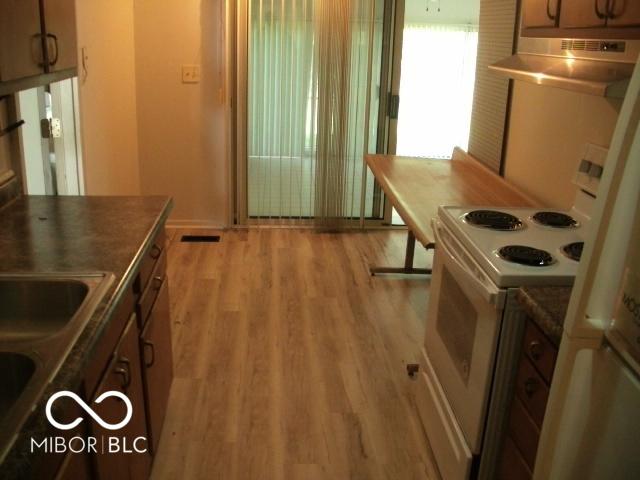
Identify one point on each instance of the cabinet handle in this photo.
(599, 14)
(155, 252)
(611, 9)
(535, 350)
(530, 386)
(55, 48)
(157, 282)
(149, 344)
(549, 14)
(125, 372)
(40, 50)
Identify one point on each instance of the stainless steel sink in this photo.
(41, 317)
(33, 308)
(15, 371)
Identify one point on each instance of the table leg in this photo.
(408, 268)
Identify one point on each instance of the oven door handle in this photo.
(485, 287)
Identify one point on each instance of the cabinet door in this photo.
(157, 360)
(583, 13)
(624, 13)
(20, 39)
(123, 375)
(76, 466)
(60, 26)
(539, 13)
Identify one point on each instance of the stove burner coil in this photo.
(493, 220)
(573, 250)
(524, 255)
(554, 219)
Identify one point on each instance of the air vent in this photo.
(593, 46)
(200, 238)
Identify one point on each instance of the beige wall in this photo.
(182, 127)
(547, 132)
(108, 97)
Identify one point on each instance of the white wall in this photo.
(451, 11)
(182, 127)
(547, 132)
(108, 97)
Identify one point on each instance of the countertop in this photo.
(75, 234)
(547, 306)
(417, 186)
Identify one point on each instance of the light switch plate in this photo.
(190, 73)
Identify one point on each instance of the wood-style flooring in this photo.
(289, 358)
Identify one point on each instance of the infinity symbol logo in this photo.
(89, 410)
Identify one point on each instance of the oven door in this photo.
(463, 323)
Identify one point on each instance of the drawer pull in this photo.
(152, 348)
(535, 350)
(125, 372)
(157, 282)
(530, 386)
(155, 252)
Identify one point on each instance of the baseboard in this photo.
(195, 224)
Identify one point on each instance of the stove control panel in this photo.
(590, 168)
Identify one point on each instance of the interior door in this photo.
(60, 25)
(20, 40)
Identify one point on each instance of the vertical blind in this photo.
(309, 74)
(497, 26)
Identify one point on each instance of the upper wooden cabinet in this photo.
(583, 13)
(60, 26)
(540, 13)
(616, 19)
(36, 37)
(624, 13)
(20, 39)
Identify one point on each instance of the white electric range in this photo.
(475, 325)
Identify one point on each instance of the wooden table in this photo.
(417, 186)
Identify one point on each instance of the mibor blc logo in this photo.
(89, 410)
(102, 444)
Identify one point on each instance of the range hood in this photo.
(595, 67)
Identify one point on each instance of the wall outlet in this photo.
(190, 73)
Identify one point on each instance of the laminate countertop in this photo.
(71, 235)
(547, 307)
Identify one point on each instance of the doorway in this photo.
(49, 139)
(436, 44)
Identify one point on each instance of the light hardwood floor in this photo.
(290, 359)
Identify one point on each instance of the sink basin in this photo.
(33, 308)
(15, 371)
(41, 317)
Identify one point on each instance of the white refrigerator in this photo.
(592, 424)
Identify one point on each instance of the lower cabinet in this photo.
(126, 453)
(157, 364)
(528, 405)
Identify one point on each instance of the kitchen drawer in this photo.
(149, 262)
(148, 297)
(524, 432)
(532, 390)
(540, 351)
(512, 465)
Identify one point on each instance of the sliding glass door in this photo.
(312, 86)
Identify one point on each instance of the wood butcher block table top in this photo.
(417, 186)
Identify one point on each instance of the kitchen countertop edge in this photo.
(18, 463)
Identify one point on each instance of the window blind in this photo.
(497, 24)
